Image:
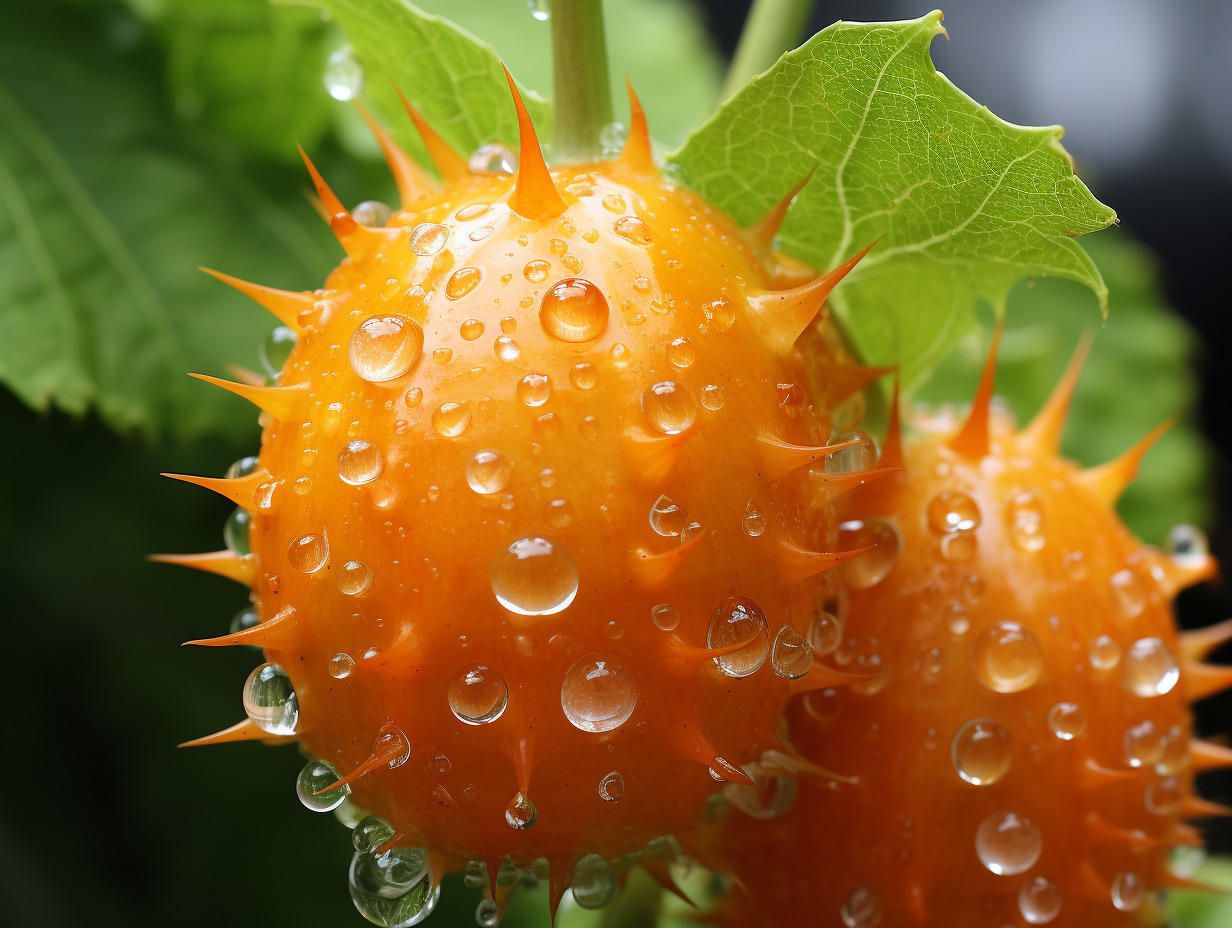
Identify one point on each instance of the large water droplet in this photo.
(1008, 658)
(371, 213)
(1188, 546)
(981, 751)
(1150, 668)
(276, 349)
(665, 616)
(316, 776)
(854, 459)
(242, 468)
(487, 912)
(488, 472)
(953, 512)
(1144, 745)
(739, 620)
(873, 566)
(1024, 520)
(681, 353)
(359, 462)
(667, 518)
(534, 390)
(769, 796)
(1128, 892)
(370, 833)
(235, 531)
(669, 408)
(1008, 844)
(393, 889)
(594, 885)
(449, 420)
(598, 694)
(270, 700)
(308, 553)
(862, 909)
(344, 74)
(462, 282)
(534, 575)
(521, 812)
(1067, 720)
(478, 695)
(573, 310)
(385, 347)
(428, 238)
(354, 578)
(1039, 901)
(791, 655)
(493, 159)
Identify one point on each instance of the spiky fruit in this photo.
(1024, 757)
(533, 537)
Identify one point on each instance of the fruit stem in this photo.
(580, 79)
(772, 27)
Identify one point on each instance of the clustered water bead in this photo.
(276, 349)
(791, 655)
(428, 238)
(981, 751)
(308, 553)
(521, 813)
(534, 575)
(594, 885)
(488, 472)
(385, 347)
(359, 462)
(1008, 658)
(612, 787)
(270, 700)
(235, 531)
(1150, 668)
(573, 309)
(1067, 721)
(1008, 844)
(371, 213)
(669, 408)
(598, 694)
(317, 777)
(1039, 901)
(870, 568)
(1128, 892)
(478, 695)
(354, 578)
(739, 621)
(393, 889)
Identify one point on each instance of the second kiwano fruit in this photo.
(540, 520)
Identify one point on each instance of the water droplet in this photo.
(534, 575)
(594, 885)
(344, 75)
(612, 138)
(862, 909)
(414, 397)
(487, 912)
(769, 796)
(665, 616)
(385, 347)
(668, 407)
(1067, 720)
(1008, 658)
(471, 329)
(316, 776)
(681, 353)
(1105, 653)
(1164, 797)
(583, 375)
(953, 512)
(488, 472)
(1188, 546)
(371, 213)
(506, 348)
(1150, 668)
(825, 632)
(1039, 900)
(462, 282)
(791, 655)
(1127, 594)
(614, 203)
(276, 349)
(270, 700)
(308, 553)
(1144, 745)
(667, 518)
(478, 695)
(620, 355)
(1024, 520)
(235, 531)
(359, 462)
(1128, 893)
(858, 457)
(245, 619)
(981, 751)
(611, 787)
(1008, 844)
(598, 694)
(428, 238)
(370, 833)
(739, 620)
(547, 478)
(558, 513)
(632, 229)
(873, 566)
(493, 159)
(521, 812)
(340, 665)
(393, 889)
(573, 310)
(451, 419)
(540, 9)
(721, 313)
(753, 523)
(354, 578)
(534, 390)
(548, 425)
(242, 468)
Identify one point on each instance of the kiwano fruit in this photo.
(1023, 755)
(539, 520)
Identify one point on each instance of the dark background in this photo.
(104, 823)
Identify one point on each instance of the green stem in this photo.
(579, 75)
(772, 27)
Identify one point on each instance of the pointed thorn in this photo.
(1199, 643)
(1100, 830)
(660, 871)
(1206, 756)
(448, 163)
(277, 401)
(829, 487)
(341, 222)
(244, 375)
(246, 730)
(1203, 680)
(534, 193)
(972, 439)
(286, 305)
(762, 233)
(652, 457)
(240, 490)
(242, 569)
(840, 380)
(523, 752)
(396, 660)
(1169, 880)
(409, 177)
(559, 878)
(637, 156)
(1197, 807)
(276, 633)
(1044, 431)
(783, 314)
(821, 677)
(797, 564)
(652, 570)
(690, 655)
(1109, 480)
(780, 458)
(892, 447)
(787, 761)
(390, 746)
(1093, 776)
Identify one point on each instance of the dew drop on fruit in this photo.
(712, 396)
(344, 74)
(598, 694)
(244, 619)
(471, 329)
(276, 349)
(506, 348)
(753, 522)
(665, 616)
(1144, 745)
(548, 425)
(825, 632)
(393, 889)
(1024, 520)
(614, 203)
(739, 620)
(451, 419)
(1128, 892)
(594, 885)
(558, 513)
(487, 912)
(1164, 797)
(573, 310)
(534, 575)
(428, 238)
(371, 213)
(1104, 653)
(355, 578)
(359, 462)
(462, 282)
(632, 229)
(493, 159)
(1008, 844)
(668, 407)
(308, 553)
(873, 566)
(1150, 668)
(1008, 658)
(862, 909)
(488, 472)
(242, 468)
(612, 787)
(534, 390)
(370, 833)
(1188, 546)
(1039, 901)
(340, 665)
(385, 347)
(667, 518)
(478, 695)
(856, 458)
(981, 751)
(1067, 720)
(790, 655)
(270, 701)
(953, 512)
(1128, 596)
(235, 531)
(681, 353)
(316, 776)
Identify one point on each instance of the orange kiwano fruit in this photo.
(1024, 755)
(538, 522)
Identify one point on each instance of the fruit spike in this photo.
(637, 156)
(448, 163)
(1199, 643)
(277, 632)
(1045, 429)
(972, 439)
(1110, 480)
(226, 563)
(782, 457)
(761, 234)
(534, 193)
(246, 730)
(277, 401)
(341, 222)
(409, 177)
(1033, 683)
(240, 490)
(284, 304)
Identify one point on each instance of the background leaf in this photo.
(965, 204)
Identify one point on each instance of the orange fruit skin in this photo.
(899, 847)
(430, 540)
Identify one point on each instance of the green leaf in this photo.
(1191, 909)
(104, 213)
(964, 204)
(1138, 375)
